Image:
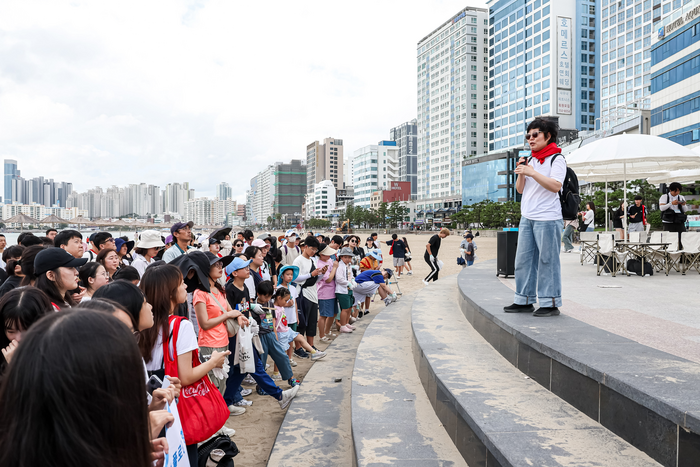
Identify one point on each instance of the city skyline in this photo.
(73, 90)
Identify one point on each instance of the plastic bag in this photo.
(244, 350)
(440, 264)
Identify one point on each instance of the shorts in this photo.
(293, 326)
(308, 322)
(344, 300)
(365, 290)
(326, 307)
(286, 338)
(399, 262)
(635, 227)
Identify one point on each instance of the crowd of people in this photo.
(109, 331)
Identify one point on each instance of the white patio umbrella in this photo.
(631, 155)
(680, 176)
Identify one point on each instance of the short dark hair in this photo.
(21, 236)
(127, 295)
(337, 239)
(248, 234)
(251, 251)
(2, 235)
(546, 126)
(65, 236)
(374, 235)
(88, 271)
(265, 288)
(15, 251)
(638, 197)
(22, 307)
(28, 256)
(127, 273)
(100, 238)
(675, 186)
(46, 241)
(51, 230)
(394, 236)
(31, 239)
(312, 242)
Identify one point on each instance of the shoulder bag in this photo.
(202, 408)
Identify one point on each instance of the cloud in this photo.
(105, 93)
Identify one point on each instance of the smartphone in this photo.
(153, 383)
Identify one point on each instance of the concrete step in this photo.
(648, 397)
(495, 414)
(317, 427)
(393, 422)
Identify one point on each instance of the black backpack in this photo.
(218, 451)
(569, 196)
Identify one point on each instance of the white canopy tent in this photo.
(622, 156)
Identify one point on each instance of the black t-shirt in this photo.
(234, 295)
(399, 248)
(470, 251)
(434, 245)
(634, 209)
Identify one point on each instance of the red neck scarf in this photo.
(547, 151)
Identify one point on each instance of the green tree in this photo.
(381, 213)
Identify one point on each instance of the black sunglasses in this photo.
(533, 135)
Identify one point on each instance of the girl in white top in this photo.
(589, 217)
(147, 247)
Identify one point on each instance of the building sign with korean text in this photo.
(564, 101)
(564, 39)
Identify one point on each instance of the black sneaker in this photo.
(314, 347)
(301, 353)
(519, 308)
(549, 311)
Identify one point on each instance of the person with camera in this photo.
(673, 210)
(537, 264)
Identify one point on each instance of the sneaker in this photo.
(301, 353)
(325, 339)
(318, 356)
(236, 410)
(276, 377)
(366, 312)
(425, 282)
(514, 308)
(243, 403)
(293, 382)
(260, 391)
(287, 397)
(227, 431)
(352, 320)
(409, 273)
(292, 362)
(351, 326)
(546, 311)
(248, 380)
(345, 329)
(246, 392)
(314, 347)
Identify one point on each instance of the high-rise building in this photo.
(406, 137)
(205, 211)
(289, 189)
(175, 196)
(675, 72)
(322, 202)
(262, 196)
(542, 61)
(452, 100)
(374, 167)
(11, 173)
(224, 191)
(625, 57)
(324, 162)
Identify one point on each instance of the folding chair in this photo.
(691, 251)
(589, 246)
(607, 257)
(389, 284)
(657, 259)
(674, 254)
(646, 233)
(635, 237)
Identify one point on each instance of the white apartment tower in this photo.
(452, 101)
(373, 168)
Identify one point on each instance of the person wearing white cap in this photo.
(290, 251)
(147, 247)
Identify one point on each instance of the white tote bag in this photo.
(244, 350)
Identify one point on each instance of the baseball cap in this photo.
(469, 236)
(258, 243)
(237, 264)
(214, 240)
(289, 233)
(389, 272)
(53, 258)
(180, 226)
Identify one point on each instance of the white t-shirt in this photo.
(666, 202)
(290, 311)
(538, 203)
(186, 342)
(588, 217)
(250, 284)
(304, 265)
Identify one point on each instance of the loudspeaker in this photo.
(506, 244)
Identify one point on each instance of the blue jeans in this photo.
(537, 266)
(272, 347)
(568, 237)
(470, 262)
(590, 227)
(235, 378)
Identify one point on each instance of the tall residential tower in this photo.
(452, 101)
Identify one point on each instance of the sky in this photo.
(111, 93)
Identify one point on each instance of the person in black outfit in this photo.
(636, 216)
(398, 252)
(431, 252)
(617, 216)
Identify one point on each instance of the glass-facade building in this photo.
(452, 101)
(406, 137)
(11, 173)
(625, 57)
(675, 77)
(542, 61)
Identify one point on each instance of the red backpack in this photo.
(201, 406)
